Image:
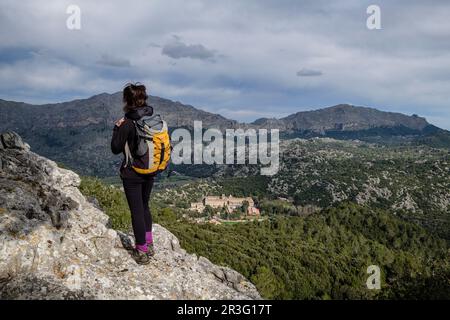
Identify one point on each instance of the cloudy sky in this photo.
(242, 59)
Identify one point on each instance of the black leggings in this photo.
(138, 195)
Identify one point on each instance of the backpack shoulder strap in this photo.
(128, 156)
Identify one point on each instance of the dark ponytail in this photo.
(134, 96)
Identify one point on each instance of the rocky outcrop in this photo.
(54, 244)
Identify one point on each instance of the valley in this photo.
(334, 208)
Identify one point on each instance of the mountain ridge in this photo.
(344, 117)
(77, 132)
(109, 107)
(115, 98)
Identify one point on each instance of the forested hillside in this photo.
(320, 256)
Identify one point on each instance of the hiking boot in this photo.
(140, 257)
(150, 250)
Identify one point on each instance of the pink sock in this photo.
(149, 237)
(142, 247)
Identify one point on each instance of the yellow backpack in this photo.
(153, 148)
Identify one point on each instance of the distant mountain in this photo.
(101, 110)
(347, 122)
(344, 117)
(77, 133)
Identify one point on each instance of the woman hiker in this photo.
(137, 186)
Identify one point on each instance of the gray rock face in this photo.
(12, 140)
(54, 244)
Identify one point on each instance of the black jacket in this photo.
(127, 133)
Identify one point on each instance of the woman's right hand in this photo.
(119, 122)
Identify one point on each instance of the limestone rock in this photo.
(13, 140)
(55, 244)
